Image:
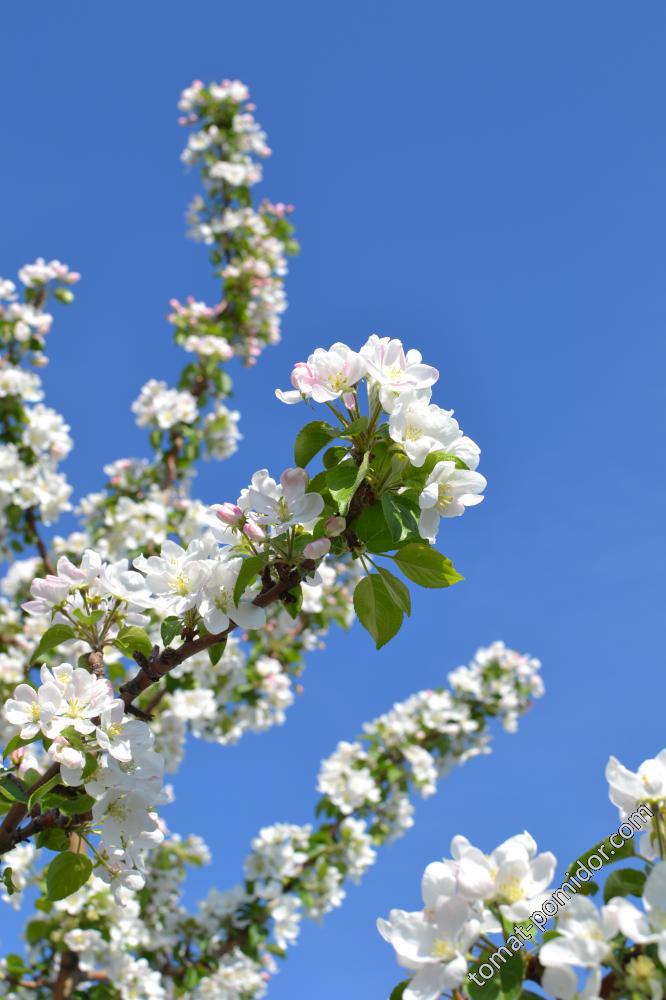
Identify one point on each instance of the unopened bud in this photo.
(317, 549)
(64, 295)
(335, 526)
(254, 532)
(229, 513)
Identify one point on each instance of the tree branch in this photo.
(160, 662)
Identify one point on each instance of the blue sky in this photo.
(484, 181)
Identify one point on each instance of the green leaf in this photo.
(402, 517)
(36, 930)
(426, 566)
(67, 873)
(618, 854)
(311, 439)
(293, 601)
(133, 639)
(343, 481)
(333, 456)
(53, 637)
(12, 789)
(355, 427)
(15, 744)
(73, 737)
(372, 529)
(624, 882)
(512, 973)
(398, 591)
(170, 628)
(7, 879)
(54, 839)
(376, 609)
(215, 652)
(75, 806)
(40, 792)
(249, 571)
(490, 987)
(398, 991)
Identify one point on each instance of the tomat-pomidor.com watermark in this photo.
(603, 854)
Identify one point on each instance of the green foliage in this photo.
(343, 480)
(170, 628)
(215, 652)
(426, 566)
(133, 639)
(399, 991)
(12, 789)
(311, 439)
(53, 637)
(67, 873)
(249, 571)
(376, 609)
(398, 592)
(402, 516)
(624, 882)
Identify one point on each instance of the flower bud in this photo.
(254, 532)
(293, 478)
(335, 526)
(317, 549)
(229, 513)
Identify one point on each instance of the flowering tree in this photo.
(163, 616)
(479, 933)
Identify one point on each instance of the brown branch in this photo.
(9, 833)
(160, 662)
(31, 522)
(68, 976)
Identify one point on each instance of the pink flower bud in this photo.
(254, 532)
(229, 513)
(293, 478)
(317, 549)
(335, 526)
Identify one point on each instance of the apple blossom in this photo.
(447, 492)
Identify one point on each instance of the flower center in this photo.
(35, 711)
(511, 890)
(443, 950)
(283, 510)
(338, 382)
(413, 433)
(444, 498)
(74, 708)
(182, 585)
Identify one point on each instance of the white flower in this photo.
(83, 698)
(394, 371)
(627, 788)
(447, 492)
(281, 505)
(325, 376)
(514, 875)
(435, 949)
(584, 936)
(216, 605)
(163, 407)
(176, 576)
(561, 981)
(116, 732)
(33, 710)
(71, 760)
(422, 428)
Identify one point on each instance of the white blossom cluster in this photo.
(34, 439)
(401, 385)
(99, 747)
(499, 681)
(223, 142)
(159, 406)
(473, 894)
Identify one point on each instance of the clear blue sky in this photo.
(484, 180)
